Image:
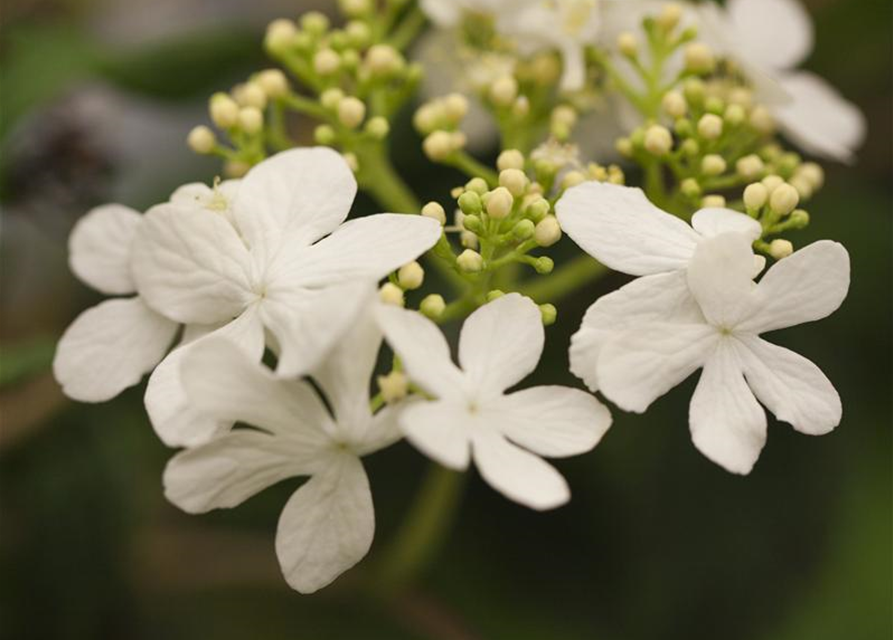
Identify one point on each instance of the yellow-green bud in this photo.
(627, 44)
(544, 265)
(784, 199)
(690, 188)
(383, 60)
(393, 387)
(495, 294)
(434, 211)
(411, 276)
(699, 58)
(470, 261)
(378, 128)
(500, 203)
(433, 306)
(315, 23)
(391, 294)
(749, 167)
(330, 98)
(455, 107)
(224, 110)
(547, 231)
(538, 210)
(510, 159)
(710, 126)
(326, 62)
(658, 140)
(514, 180)
(735, 114)
(674, 104)
(280, 35)
(756, 196)
(351, 112)
(273, 82)
(251, 120)
(780, 248)
(201, 140)
(549, 314)
(524, 229)
(472, 223)
(713, 165)
(504, 91)
(470, 203)
(324, 135)
(713, 202)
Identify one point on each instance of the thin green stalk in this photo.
(408, 30)
(564, 280)
(474, 169)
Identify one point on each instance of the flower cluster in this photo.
(259, 311)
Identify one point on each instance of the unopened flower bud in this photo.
(762, 120)
(813, 173)
(352, 161)
(326, 62)
(324, 135)
(749, 167)
(572, 179)
(273, 82)
(378, 128)
(510, 159)
(393, 387)
(624, 147)
(433, 306)
(504, 91)
(756, 196)
(694, 90)
(514, 180)
(674, 104)
(495, 294)
(627, 44)
(735, 114)
(658, 140)
(799, 219)
(772, 182)
(780, 248)
(564, 115)
(383, 60)
(280, 35)
(669, 16)
(201, 140)
(391, 294)
(330, 98)
(351, 112)
(524, 229)
(784, 199)
(713, 202)
(710, 126)
(690, 188)
(358, 33)
(315, 23)
(470, 261)
(224, 110)
(251, 120)
(470, 203)
(455, 107)
(547, 231)
(538, 210)
(251, 94)
(434, 211)
(713, 165)
(438, 146)
(500, 203)
(355, 8)
(544, 265)
(236, 168)
(549, 314)
(803, 187)
(469, 240)
(411, 276)
(473, 223)
(699, 58)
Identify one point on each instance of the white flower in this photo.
(727, 423)
(328, 524)
(623, 230)
(275, 273)
(769, 39)
(472, 416)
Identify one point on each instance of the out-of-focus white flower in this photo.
(472, 416)
(769, 39)
(276, 271)
(623, 230)
(739, 368)
(328, 524)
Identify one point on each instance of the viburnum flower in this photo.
(739, 368)
(623, 230)
(769, 39)
(328, 524)
(471, 416)
(285, 268)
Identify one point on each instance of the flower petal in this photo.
(99, 248)
(439, 429)
(659, 297)
(818, 119)
(109, 348)
(620, 228)
(384, 429)
(293, 199)
(228, 470)
(518, 475)
(423, 350)
(175, 419)
(720, 278)
(713, 222)
(641, 365)
(501, 344)
(327, 526)
(807, 286)
(191, 265)
(553, 421)
(791, 387)
(727, 423)
(777, 34)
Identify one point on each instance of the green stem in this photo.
(564, 280)
(378, 177)
(408, 30)
(423, 531)
(474, 169)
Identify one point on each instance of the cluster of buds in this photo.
(439, 121)
(774, 202)
(557, 166)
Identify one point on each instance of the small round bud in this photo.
(455, 107)
(813, 173)
(201, 140)
(351, 112)
(624, 147)
(391, 294)
(352, 161)
(710, 126)
(251, 94)
(683, 128)
(470, 261)
(549, 314)
(504, 91)
(434, 211)
(544, 265)
(473, 223)
(433, 306)
(280, 35)
(470, 203)
(749, 167)
(355, 8)
(326, 62)
(500, 203)
(713, 202)
(495, 294)
(699, 58)
(756, 196)
(772, 182)
(315, 23)
(803, 187)
(798, 219)
(469, 240)
(669, 16)
(780, 248)
(358, 33)
(438, 146)
(521, 107)
(690, 188)
(510, 159)
(735, 114)
(547, 231)
(627, 44)
(236, 169)
(538, 210)
(658, 140)
(478, 185)
(713, 165)
(273, 82)
(411, 276)
(694, 90)
(350, 59)
(330, 98)
(325, 135)
(762, 120)
(784, 199)
(524, 229)
(514, 180)
(691, 147)
(572, 179)
(378, 128)
(383, 60)
(564, 115)
(251, 120)
(393, 387)
(224, 110)
(674, 104)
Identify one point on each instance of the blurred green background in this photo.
(657, 543)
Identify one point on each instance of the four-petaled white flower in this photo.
(328, 524)
(285, 270)
(472, 416)
(623, 230)
(727, 423)
(769, 39)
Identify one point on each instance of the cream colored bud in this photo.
(784, 199)
(352, 161)
(669, 16)
(572, 179)
(201, 140)
(756, 196)
(273, 82)
(427, 117)
(499, 203)
(624, 147)
(391, 294)
(393, 387)
(358, 33)
(735, 114)
(713, 165)
(713, 202)
(710, 126)
(469, 240)
(251, 120)
(330, 98)
(504, 91)
(236, 169)
(433, 306)
(510, 159)
(315, 22)
(699, 58)
(521, 107)
(564, 115)
(383, 59)
(355, 8)
(280, 35)
(627, 44)
(547, 231)
(690, 188)
(411, 276)
(224, 110)
(470, 261)
(438, 146)
(658, 140)
(749, 167)
(515, 181)
(674, 104)
(455, 107)
(803, 187)
(378, 128)
(458, 140)
(351, 112)
(780, 248)
(251, 94)
(772, 182)
(326, 62)
(813, 173)
(762, 120)
(434, 211)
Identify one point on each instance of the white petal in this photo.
(191, 265)
(308, 322)
(620, 228)
(175, 419)
(775, 33)
(109, 348)
(809, 285)
(552, 421)
(639, 366)
(501, 344)
(423, 350)
(518, 475)
(573, 75)
(441, 430)
(791, 387)
(292, 199)
(727, 423)
(384, 430)
(720, 278)
(443, 14)
(366, 248)
(818, 119)
(232, 468)
(327, 526)
(713, 222)
(663, 296)
(217, 199)
(99, 248)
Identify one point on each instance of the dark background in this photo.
(657, 543)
